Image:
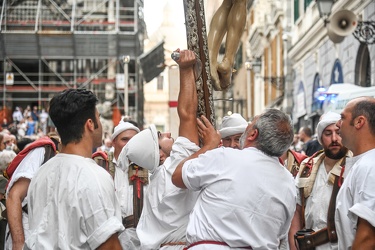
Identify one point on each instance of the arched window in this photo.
(363, 67)
(337, 75)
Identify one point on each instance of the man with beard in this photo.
(318, 182)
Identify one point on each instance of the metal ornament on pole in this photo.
(197, 66)
(126, 60)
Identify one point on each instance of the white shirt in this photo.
(124, 193)
(356, 197)
(72, 205)
(17, 115)
(124, 190)
(166, 207)
(43, 117)
(26, 169)
(247, 198)
(317, 204)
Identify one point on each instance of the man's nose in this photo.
(168, 134)
(335, 136)
(234, 144)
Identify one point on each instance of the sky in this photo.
(153, 12)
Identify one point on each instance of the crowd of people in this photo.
(28, 123)
(206, 189)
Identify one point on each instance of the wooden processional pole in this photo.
(197, 41)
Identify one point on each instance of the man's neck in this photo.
(364, 144)
(329, 163)
(77, 149)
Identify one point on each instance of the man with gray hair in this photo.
(246, 197)
(317, 185)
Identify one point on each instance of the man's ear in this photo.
(253, 134)
(90, 125)
(359, 122)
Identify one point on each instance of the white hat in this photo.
(233, 124)
(326, 120)
(143, 148)
(123, 126)
(6, 157)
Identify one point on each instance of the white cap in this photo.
(6, 157)
(326, 120)
(143, 148)
(121, 127)
(233, 124)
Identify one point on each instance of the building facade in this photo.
(318, 62)
(301, 56)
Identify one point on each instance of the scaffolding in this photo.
(50, 45)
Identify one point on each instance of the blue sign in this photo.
(337, 76)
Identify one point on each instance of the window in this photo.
(296, 10)
(363, 67)
(307, 2)
(160, 84)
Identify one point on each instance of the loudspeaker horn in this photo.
(343, 23)
(333, 36)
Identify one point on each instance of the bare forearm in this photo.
(210, 138)
(294, 227)
(177, 175)
(14, 213)
(16, 195)
(112, 243)
(187, 99)
(365, 236)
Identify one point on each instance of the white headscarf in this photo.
(121, 127)
(326, 120)
(233, 124)
(143, 149)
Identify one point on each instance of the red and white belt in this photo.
(211, 242)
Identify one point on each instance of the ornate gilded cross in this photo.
(197, 42)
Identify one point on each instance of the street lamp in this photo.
(324, 7)
(249, 99)
(126, 60)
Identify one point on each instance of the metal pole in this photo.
(40, 86)
(5, 80)
(126, 60)
(249, 94)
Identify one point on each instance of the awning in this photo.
(152, 62)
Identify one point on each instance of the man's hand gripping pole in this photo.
(197, 66)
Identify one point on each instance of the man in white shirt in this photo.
(17, 115)
(247, 197)
(72, 201)
(317, 181)
(43, 119)
(166, 207)
(25, 165)
(122, 134)
(355, 204)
